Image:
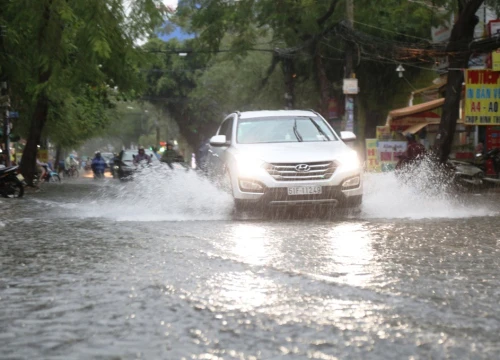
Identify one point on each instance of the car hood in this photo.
(295, 152)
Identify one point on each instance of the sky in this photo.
(170, 3)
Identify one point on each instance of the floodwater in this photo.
(161, 268)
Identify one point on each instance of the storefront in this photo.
(422, 120)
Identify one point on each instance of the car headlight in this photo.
(349, 161)
(247, 165)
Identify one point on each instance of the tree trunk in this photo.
(323, 85)
(58, 157)
(462, 34)
(289, 74)
(28, 162)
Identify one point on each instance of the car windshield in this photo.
(283, 129)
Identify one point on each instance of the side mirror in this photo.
(347, 136)
(218, 140)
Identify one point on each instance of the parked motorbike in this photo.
(460, 175)
(11, 182)
(494, 156)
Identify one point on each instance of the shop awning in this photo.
(417, 127)
(415, 109)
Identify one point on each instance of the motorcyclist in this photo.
(414, 150)
(169, 155)
(98, 165)
(42, 168)
(69, 162)
(141, 156)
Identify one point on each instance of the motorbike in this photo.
(98, 174)
(494, 156)
(11, 182)
(49, 176)
(177, 163)
(474, 173)
(462, 175)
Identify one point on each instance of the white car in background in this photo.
(287, 158)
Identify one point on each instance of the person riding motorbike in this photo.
(69, 162)
(41, 168)
(169, 155)
(141, 156)
(98, 165)
(415, 151)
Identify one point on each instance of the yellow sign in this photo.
(372, 163)
(383, 132)
(482, 97)
(495, 60)
(44, 155)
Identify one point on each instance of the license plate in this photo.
(304, 190)
(20, 177)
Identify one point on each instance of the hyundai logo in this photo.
(302, 168)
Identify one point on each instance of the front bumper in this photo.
(275, 193)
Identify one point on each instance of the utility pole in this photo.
(349, 74)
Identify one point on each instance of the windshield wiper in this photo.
(296, 132)
(320, 130)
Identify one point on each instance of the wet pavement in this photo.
(157, 269)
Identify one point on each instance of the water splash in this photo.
(418, 194)
(158, 194)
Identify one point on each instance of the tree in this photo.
(309, 43)
(55, 49)
(459, 52)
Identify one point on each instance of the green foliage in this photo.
(71, 53)
(303, 29)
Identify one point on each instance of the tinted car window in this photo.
(283, 129)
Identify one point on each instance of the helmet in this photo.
(410, 136)
(141, 148)
(71, 156)
(97, 153)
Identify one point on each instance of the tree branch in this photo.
(329, 13)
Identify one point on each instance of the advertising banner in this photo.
(495, 60)
(44, 155)
(388, 153)
(492, 142)
(372, 163)
(349, 113)
(482, 97)
(383, 132)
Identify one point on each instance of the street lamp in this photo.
(400, 70)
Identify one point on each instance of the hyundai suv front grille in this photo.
(302, 171)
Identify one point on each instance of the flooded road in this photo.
(146, 270)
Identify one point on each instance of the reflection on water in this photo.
(77, 282)
(251, 243)
(352, 253)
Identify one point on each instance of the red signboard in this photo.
(492, 141)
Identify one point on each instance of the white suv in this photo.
(285, 157)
